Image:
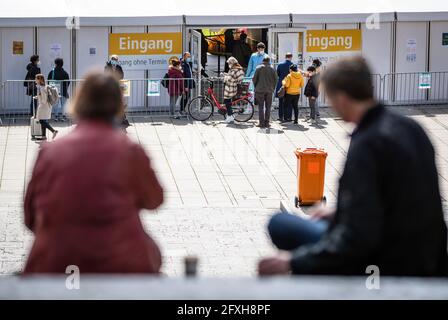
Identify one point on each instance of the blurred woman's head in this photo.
(99, 98)
(40, 79)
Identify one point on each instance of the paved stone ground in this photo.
(222, 183)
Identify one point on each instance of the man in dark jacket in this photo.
(282, 72)
(389, 212)
(312, 93)
(32, 69)
(241, 50)
(114, 68)
(189, 85)
(264, 80)
(60, 77)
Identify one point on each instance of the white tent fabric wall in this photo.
(27, 22)
(172, 10)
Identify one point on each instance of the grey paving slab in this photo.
(222, 183)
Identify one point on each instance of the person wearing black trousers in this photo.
(189, 84)
(33, 70)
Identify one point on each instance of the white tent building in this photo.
(395, 36)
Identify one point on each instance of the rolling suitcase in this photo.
(35, 127)
(310, 176)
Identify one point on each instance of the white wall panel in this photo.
(406, 87)
(438, 60)
(48, 37)
(86, 38)
(376, 47)
(336, 26)
(13, 67)
(407, 31)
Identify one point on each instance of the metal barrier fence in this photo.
(141, 96)
(150, 96)
(415, 88)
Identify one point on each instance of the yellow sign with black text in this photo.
(145, 43)
(145, 51)
(333, 40)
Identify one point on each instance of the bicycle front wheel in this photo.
(243, 110)
(200, 108)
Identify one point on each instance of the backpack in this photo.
(53, 95)
(165, 80)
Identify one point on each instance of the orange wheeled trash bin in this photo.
(310, 176)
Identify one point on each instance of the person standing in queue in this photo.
(256, 59)
(176, 86)
(282, 72)
(241, 50)
(265, 80)
(231, 81)
(312, 93)
(293, 84)
(189, 84)
(61, 77)
(32, 70)
(113, 67)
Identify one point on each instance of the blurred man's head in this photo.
(288, 56)
(266, 60)
(99, 98)
(260, 47)
(348, 86)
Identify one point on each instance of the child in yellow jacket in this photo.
(293, 84)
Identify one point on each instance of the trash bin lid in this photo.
(317, 151)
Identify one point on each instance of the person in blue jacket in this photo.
(282, 72)
(256, 59)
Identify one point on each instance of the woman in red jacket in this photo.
(176, 85)
(86, 191)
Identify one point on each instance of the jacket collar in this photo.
(369, 117)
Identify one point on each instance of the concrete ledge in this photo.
(146, 287)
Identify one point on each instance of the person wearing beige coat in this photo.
(43, 113)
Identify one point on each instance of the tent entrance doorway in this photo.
(283, 40)
(219, 43)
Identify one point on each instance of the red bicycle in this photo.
(201, 108)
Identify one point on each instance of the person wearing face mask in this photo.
(282, 72)
(33, 69)
(256, 59)
(189, 84)
(114, 68)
